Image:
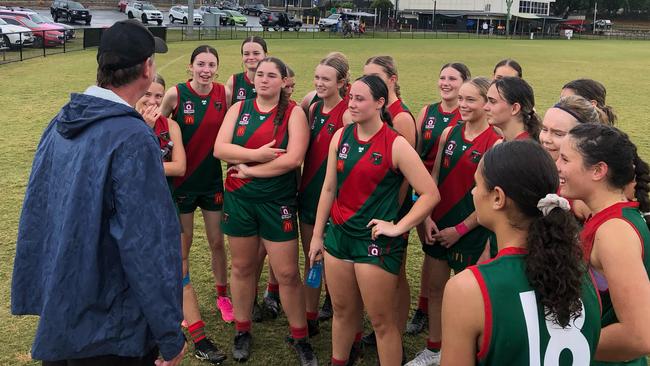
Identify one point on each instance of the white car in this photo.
(144, 11)
(13, 35)
(180, 13)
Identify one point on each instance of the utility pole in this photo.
(595, 13)
(433, 17)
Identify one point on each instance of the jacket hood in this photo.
(84, 110)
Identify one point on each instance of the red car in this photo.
(45, 34)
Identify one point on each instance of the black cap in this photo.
(128, 43)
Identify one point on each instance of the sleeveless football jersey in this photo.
(242, 88)
(367, 185)
(199, 118)
(517, 331)
(435, 121)
(322, 129)
(253, 129)
(629, 212)
(459, 161)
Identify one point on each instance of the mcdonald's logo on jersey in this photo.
(241, 130)
(218, 198)
(188, 119)
(340, 164)
(287, 226)
(427, 134)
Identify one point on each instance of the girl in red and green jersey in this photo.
(367, 163)
(199, 106)
(326, 117)
(312, 97)
(264, 140)
(403, 122)
(535, 303)
(453, 238)
(240, 86)
(431, 121)
(511, 108)
(173, 154)
(596, 164)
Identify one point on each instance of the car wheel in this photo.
(171, 19)
(184, 20)
(276, 28)
(160, 22)
(6, 41)
(130, 15)
(87, 22)
(296, 28)
(55, 18)
(69, 18)
(144, 19)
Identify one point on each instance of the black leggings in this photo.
(108, 360)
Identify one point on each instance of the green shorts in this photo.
(274, 220)
(464, 253)
(188, 202)
(385, 252)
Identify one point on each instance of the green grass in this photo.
(34, 90)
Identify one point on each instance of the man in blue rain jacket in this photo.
(98, 255)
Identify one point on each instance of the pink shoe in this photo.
(225, 307)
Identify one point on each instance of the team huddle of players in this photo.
(553, 211)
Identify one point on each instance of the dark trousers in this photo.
(108, 360)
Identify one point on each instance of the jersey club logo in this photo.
(330, 128)
(475, 156)
(241, 94)
(343, 153)
(428, 128)
(374, 250)
(376, 158)
(244, 119)
(188, 113)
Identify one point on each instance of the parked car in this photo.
(255, 9)
(70, 10)
(144, 11)
(121, 5)
(47, 35)
(602, 26)
(180, 12)
(279, 20)
(38, 19)
(234, 18)
(229, 5)
(14, 35)
(214, 10)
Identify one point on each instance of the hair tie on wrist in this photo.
(551, 201)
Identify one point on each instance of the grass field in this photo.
(34, 90)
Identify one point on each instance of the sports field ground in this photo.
(33, 91)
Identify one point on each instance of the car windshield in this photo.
(148, 7)
(73, 5)
(28, 23)
(38, 19)
(236, 14)
(2, 22)
(333, 16)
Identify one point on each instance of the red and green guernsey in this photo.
(322, 129)
(199, 118)
(629, 212)
(516, 330)
(254, 129)
(435, 121)
(459, 160)
(242, 88)
(367, 188)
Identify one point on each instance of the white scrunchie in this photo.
(552, 201)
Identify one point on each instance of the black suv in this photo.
(255, 9)
(69, 10)
(279, 20)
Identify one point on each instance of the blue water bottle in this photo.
(313, 278)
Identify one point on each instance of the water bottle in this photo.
(313, 278)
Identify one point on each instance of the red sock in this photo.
(243, 326)
(222, 290)
(298, 333)
(336, 362)
(312, 315)
(196, 331)
(423, 304)
(273, 288)
(433, 346)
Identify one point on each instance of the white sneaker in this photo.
(425, 358)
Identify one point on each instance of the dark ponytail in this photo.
(554, 264)
(593, 90)
(517, 90)
(378, 89)
(283, 103)
(602, 143)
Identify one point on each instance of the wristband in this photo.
(461, 228)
